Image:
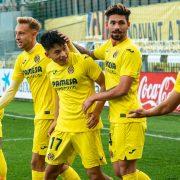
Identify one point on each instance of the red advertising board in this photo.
(155, 88)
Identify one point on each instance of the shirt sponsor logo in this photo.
(65, 82)
(33, 70)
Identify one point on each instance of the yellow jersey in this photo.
(32, 66)
(74, 83)
(177, 84)
(124, 59)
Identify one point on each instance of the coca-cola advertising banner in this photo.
(155, 88)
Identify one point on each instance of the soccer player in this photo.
(165, 107)
(122, 70)
(72, 75)
(3, 166)
(31, 64)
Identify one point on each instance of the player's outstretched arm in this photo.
(83, 50)
(165, 107)
(120, 90)
(9, 93)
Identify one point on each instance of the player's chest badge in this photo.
(70, 69)
(36, 58)
(115, 54)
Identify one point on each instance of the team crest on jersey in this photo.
(115, 54)
(37, 58)
(70, 69)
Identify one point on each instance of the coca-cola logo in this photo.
(154, 93)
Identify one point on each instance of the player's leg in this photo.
(3, 165)
(134, 148)
(60, 153)
(40, 144)
(126, 146)
(123, 167)
(88, 145)
(53, 171)
(127, 141)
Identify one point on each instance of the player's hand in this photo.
(87, 104)
(139, 113)
(52, 127)
(64, 37)
(93, 120)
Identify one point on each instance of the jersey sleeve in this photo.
(99, 52)
(17, 72)
(177, 84)
(92, 69)
(131, 63)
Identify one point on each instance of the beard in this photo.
(117, 36)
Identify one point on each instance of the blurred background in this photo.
(155, 27)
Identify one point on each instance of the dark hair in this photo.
(50, 38)
(118, 9)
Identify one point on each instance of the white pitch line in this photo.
(155, 135)
(147, 134)
(17, 139)
(163, 137)
(21, 117)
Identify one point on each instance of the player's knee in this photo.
(51, 173)
(38, 163)
(121, 169)
(95, 174)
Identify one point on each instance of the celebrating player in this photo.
(31, 64)
(72, 75)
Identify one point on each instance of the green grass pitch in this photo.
(161, 157)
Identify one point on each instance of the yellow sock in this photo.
(36, 175)
(132, 176)
(142, 176)
(3, 166)
(70, 173)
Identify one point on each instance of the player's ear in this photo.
(35, 33)
(46, 53)
(128, 23)
(106, 24)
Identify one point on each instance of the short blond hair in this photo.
(33, 23)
